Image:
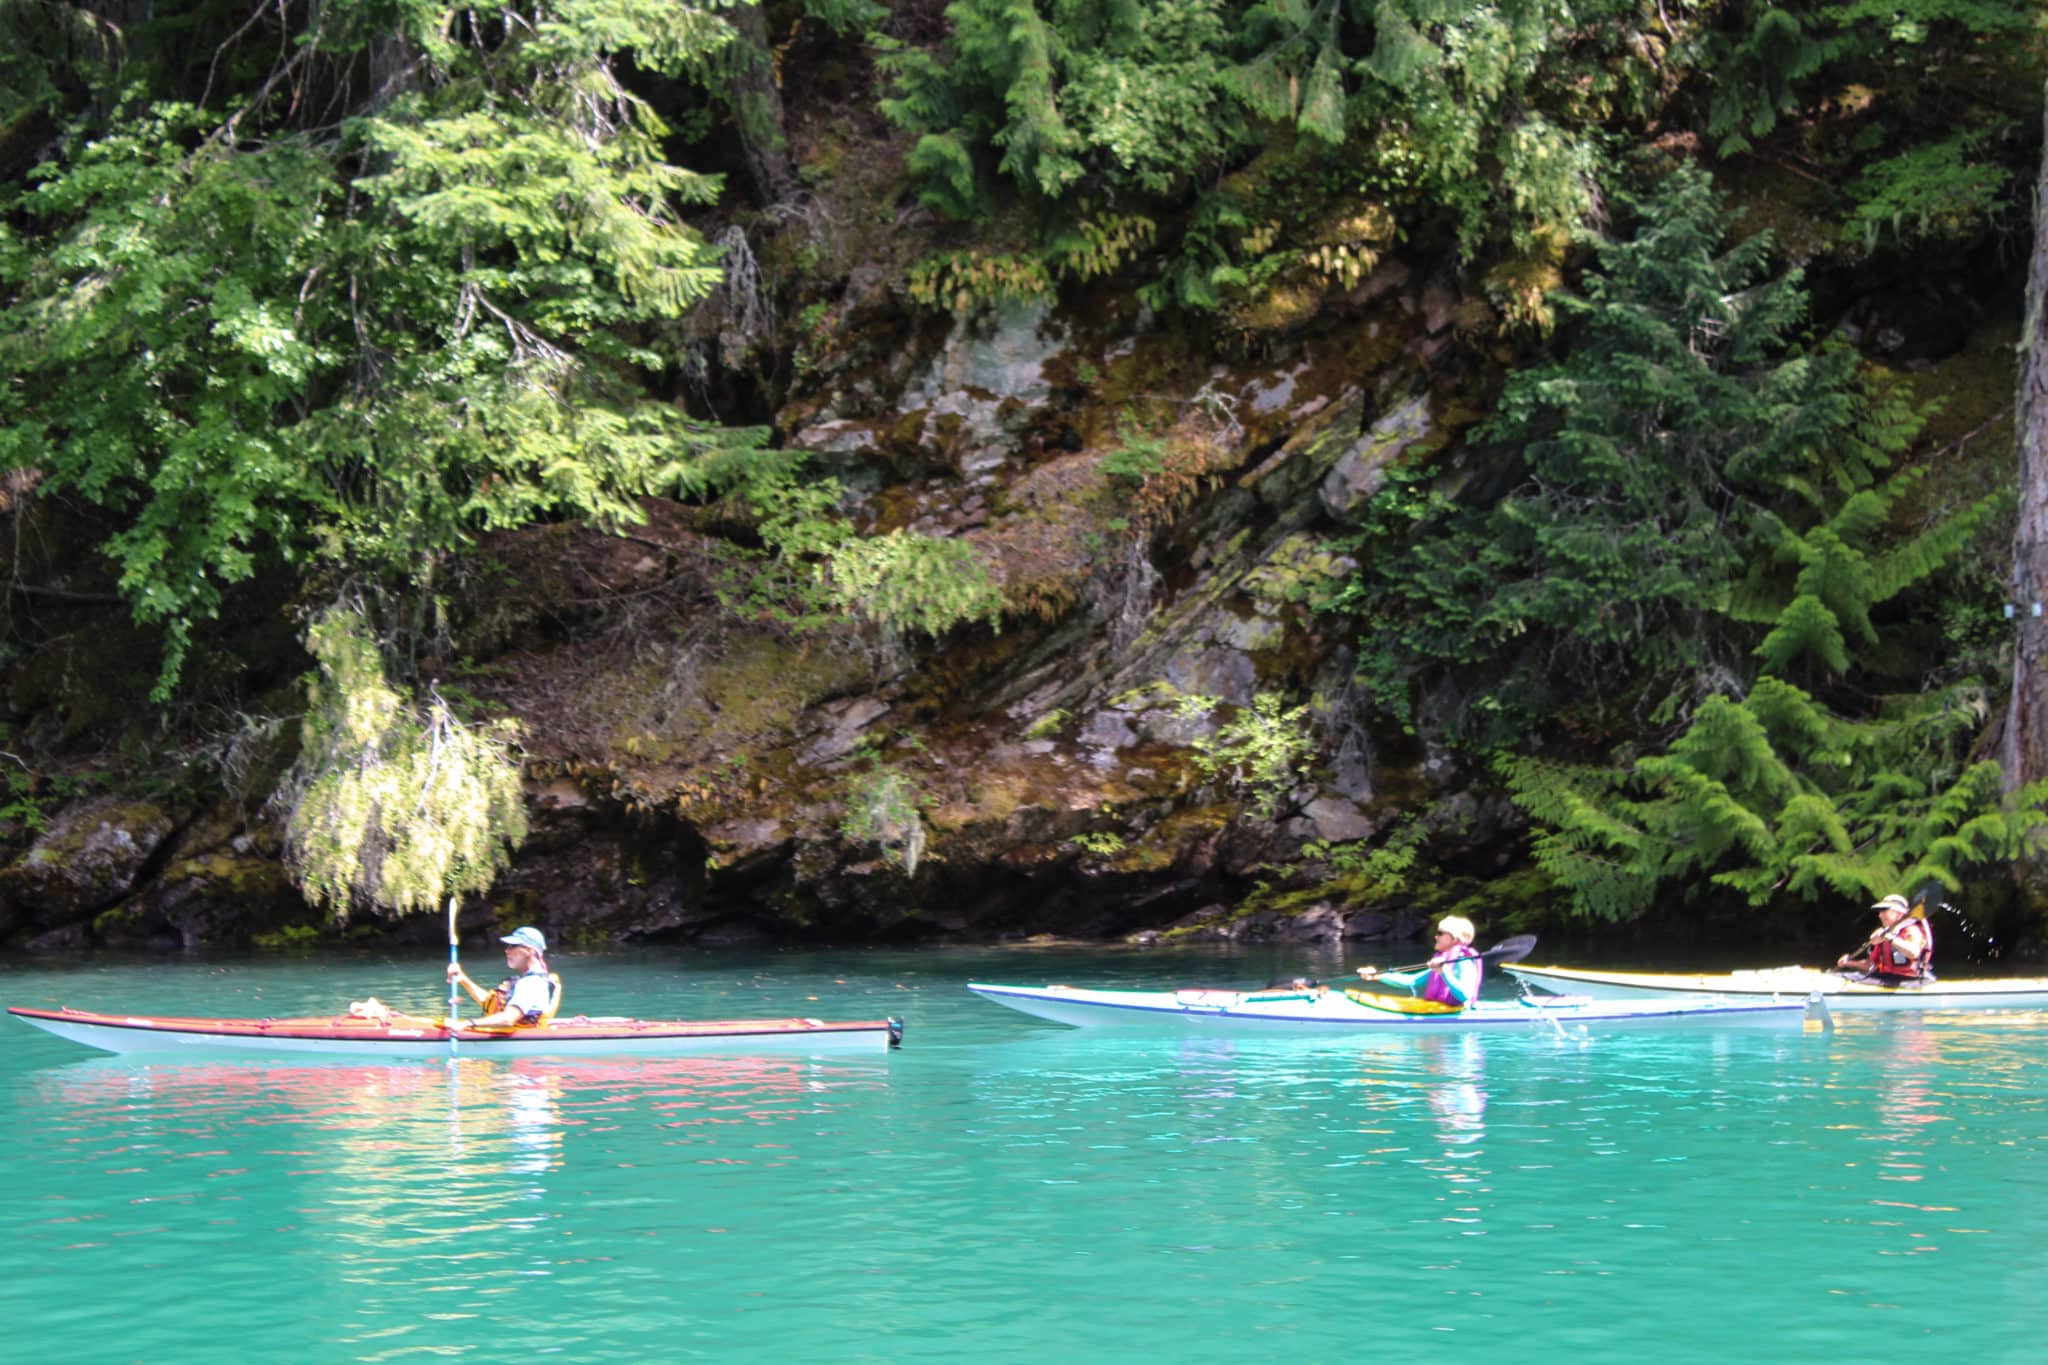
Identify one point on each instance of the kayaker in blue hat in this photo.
(524, 996)
(1453, 974)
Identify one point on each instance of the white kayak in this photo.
(1325, 1010)
(1772, 983)
(403, 1036)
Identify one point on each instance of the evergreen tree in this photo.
(1705, 523)
(1661, 454)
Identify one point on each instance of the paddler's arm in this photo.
(1864, 958)
(1406, 980)
(496, 1019)
(460, 977)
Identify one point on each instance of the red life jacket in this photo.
(1907, 954)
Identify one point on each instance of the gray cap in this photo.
(526, 936)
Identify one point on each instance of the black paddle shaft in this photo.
(1507, 950)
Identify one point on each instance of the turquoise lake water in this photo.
(1011, 1190)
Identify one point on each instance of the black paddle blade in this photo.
(1928, 898)
(1511, 950)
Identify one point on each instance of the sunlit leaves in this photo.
(1261, 750)
(393, 804)
(910, 582)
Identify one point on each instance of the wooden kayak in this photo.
(405, 1036)
(1769, 983)
(1354, 1011)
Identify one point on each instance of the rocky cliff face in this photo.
(1163, 522)
(1162, 505)
(1161, 516)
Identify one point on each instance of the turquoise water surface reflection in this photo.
(1017, 1191)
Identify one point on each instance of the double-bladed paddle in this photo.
(1507, 950)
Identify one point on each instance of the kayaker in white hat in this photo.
(1452, 976)
(1899, 950)
(524, 996)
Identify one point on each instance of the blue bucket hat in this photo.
(526, 936)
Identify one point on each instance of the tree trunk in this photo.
(2025, 752)
(757, 106)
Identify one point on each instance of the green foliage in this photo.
(1771, 795)
(1770, 791)
(392, 803)
(1938, 190)
(963, 281)
(881, 808)
(1137, 456)
(1842, 577)
(847, 16)
(259, 338)
(1463, 97)
(1260, 751)
(1372, 871)
(1703, 521)
(1927, 93)
(1103, 844)
(1098, 243)
(814, 569)
(1051, 96)
(1431, 105)
(1210, 260)
(50, 53)
(287, 937)
(1757, 67)
(1674, 444)
(1493, 122)
(1049, 724)
(27, 797)
(910, 582)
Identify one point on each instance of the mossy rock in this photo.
(90, 857)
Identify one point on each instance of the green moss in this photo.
(122, 920)
(286, 937)
(744, 689)
(1144, 857)
(1771, 197)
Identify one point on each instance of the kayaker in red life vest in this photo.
(523, 997)
(1453, 974)
(1900, 950)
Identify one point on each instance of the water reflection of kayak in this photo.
(405, 1036)
(1338, 1011)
